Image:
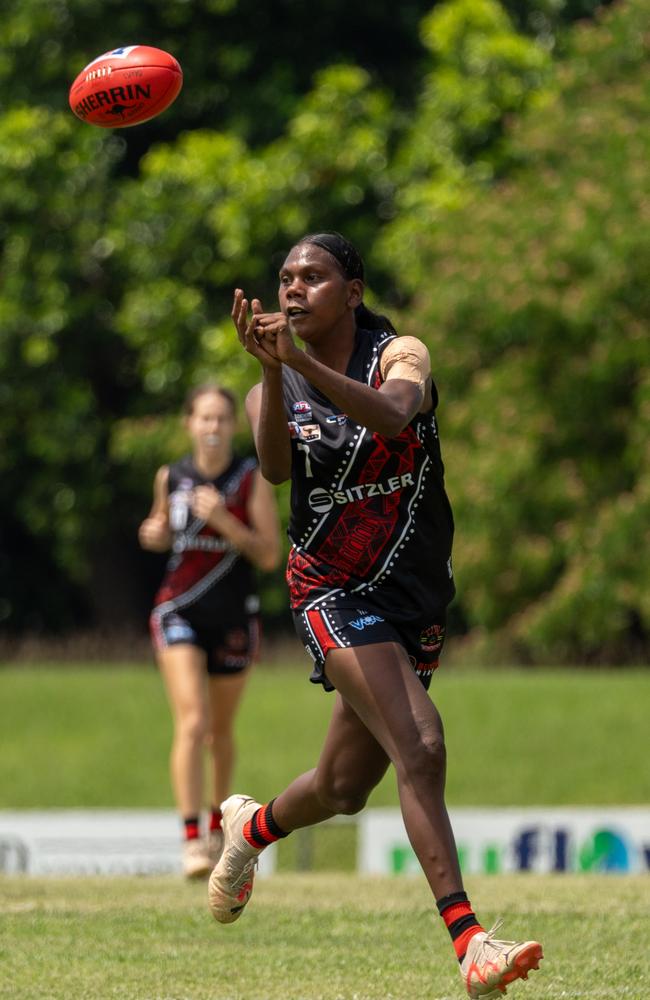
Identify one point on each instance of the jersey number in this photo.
(305, 447)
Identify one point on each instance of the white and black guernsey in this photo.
(369, 514)
(206, 579)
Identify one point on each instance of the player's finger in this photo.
(251, 340)
(271, 321)
(242, 319)
(236, 308)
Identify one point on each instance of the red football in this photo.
(126, 86)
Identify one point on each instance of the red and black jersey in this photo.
(369, 514)
(206, 578)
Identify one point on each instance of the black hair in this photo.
(351, 264)
(209, 388)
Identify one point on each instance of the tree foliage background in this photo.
(490, 161)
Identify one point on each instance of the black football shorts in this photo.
(348, 621)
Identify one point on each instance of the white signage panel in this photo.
(96, 842)
(518, 840)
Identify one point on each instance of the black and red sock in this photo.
(191, 824)
(215, 819)
(261, 829)
(460, 919)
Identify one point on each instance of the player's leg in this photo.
(382, 713)
(380, 684)
(350, 765)
(183, 670)
(224, 692)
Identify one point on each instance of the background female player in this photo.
(218, 515)
(351, 420)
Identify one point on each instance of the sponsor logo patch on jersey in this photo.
(302, 411)
(337, 418)
(321, 500)
(306, 432)
(310, 432)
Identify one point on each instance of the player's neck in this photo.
(211, 464)
(335, 350)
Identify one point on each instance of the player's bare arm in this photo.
(265, 409)
(264, 404)
(154, 533)
(386, 411)
(257, 541)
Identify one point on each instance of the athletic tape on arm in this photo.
(407, 358)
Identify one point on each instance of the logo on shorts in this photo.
(432, 638)
(360, 623)
(237, 640)
(179, 633)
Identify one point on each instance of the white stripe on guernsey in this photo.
(318, 526)
(350, 464)
(306, 542)
(366, 583)
(363, 433)
(235, 481)
(364, 430)
(321, 600)
(194, 529)
(222, 568)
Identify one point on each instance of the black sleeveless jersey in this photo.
(206, 579)
(369, 514)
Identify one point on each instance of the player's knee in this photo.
(427, 758)
(341, 797)
(192, 728)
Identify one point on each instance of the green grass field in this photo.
(100, 737)
(311, 937)
(75, 737)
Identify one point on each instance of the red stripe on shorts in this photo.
(321, 632)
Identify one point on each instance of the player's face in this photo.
(314, 294)
(211, 424)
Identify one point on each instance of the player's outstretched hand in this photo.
(272, 331)
(248, 338)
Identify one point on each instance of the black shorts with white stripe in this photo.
(344, 621)
(229, 648)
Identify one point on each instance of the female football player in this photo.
(350, 419)
(218, 516)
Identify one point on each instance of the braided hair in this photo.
(351, 264)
